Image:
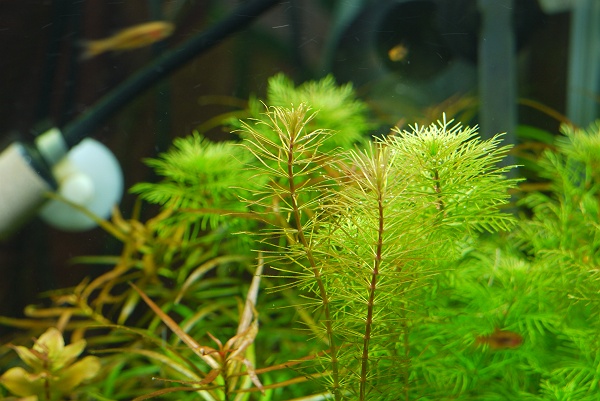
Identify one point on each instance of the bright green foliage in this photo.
(562, 239)
(203, 182)
(338, 109)
(564, 230)
(200, 180)
(540, 283)
(582, 146)
(390, 270)
(376, 237)
(196, 174)
(450, 167)
(294, 161)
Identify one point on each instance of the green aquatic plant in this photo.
(340, 111)
(55, 370)
(376, 234)
(536, 285)
(203, 182)
(225, 362)
(309, 263)
(562, 240)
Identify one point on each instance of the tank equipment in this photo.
(82, 182)
(26, 170)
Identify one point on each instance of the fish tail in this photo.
(92, 48)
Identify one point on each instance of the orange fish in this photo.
(129, 38)
(501, 339)
(398, 52)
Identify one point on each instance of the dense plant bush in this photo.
(306, 261)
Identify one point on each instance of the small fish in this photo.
(501, 339)
(398, 52)
(129, 38)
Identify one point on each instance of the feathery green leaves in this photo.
(395, 255)
(451, 169)
(367, 230)
(339, 110)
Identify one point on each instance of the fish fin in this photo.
(92, 48)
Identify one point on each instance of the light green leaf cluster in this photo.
(370, 244)
(197, 173)
(202, 182)
(296, 165)
(339, 110)
(455, 351)
(201, 186)
(581, 145)
(563, 239)
(451, 168)
(294, 155)
(565, 228)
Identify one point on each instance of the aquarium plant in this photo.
(54, 372)
(309, 261)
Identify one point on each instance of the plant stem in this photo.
(438, 189)
(47, 378)
(364, 369)
(315, 269)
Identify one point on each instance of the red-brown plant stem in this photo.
(47, 379)
(438, 190)
(314, 267)
(364, 369)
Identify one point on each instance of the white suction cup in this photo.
(89, 176)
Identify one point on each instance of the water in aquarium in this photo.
(300, 200)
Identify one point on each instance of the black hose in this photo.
(81, 127)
